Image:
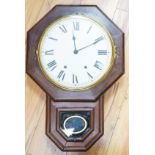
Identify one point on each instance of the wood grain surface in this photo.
(115, 139)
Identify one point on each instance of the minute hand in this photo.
(96, 41)
(85, 47)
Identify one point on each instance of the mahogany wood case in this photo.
(58, 99)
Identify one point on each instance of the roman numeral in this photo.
(50, 52)
(89, 29)
(102, 52)
(52, 65)
(53, 38)
(98, 65)
(75, 79)
(63, 28)
(76, 26)
(90, 75)
(98, 39)
(61, 75)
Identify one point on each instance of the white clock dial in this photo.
(76, 52)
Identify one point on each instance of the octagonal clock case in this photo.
(75, 53)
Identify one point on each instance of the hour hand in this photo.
(74, 37)
(74, 43)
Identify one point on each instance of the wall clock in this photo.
(75, 53)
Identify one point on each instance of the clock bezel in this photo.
(94, 83)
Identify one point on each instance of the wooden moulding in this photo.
(54, 132)
(33, 68)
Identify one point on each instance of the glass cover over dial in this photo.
(76, 52)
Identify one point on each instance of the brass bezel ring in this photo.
(80, 88)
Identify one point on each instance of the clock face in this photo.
(75, 52)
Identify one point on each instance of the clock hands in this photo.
(75, 50)
(83, 48)
(96, 41)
